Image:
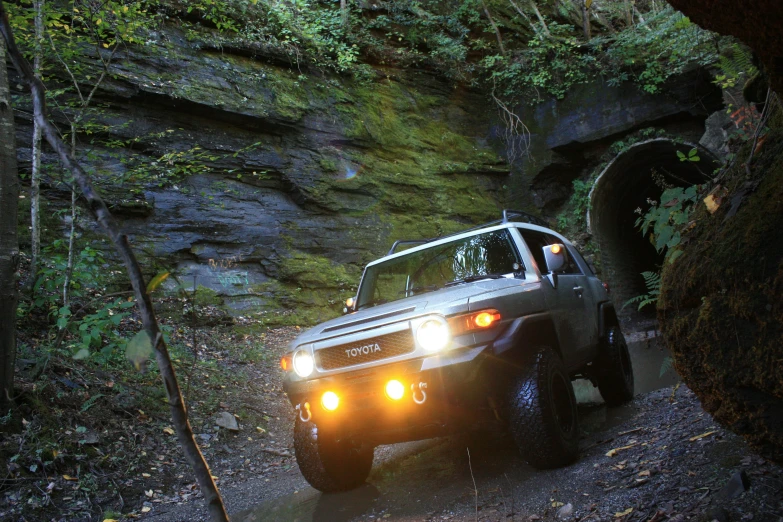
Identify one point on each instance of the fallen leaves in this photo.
(699, 437)
(615, 451)
(168, 430)
(70, 478)
(621, 514)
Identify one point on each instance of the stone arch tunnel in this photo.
(625, 185)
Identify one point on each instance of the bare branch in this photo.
(104, 218)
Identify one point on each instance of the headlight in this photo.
(303, 363)
(433, 335)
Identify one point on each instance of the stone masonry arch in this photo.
(625, 185)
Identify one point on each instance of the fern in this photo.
(735, 62)
(652, 280)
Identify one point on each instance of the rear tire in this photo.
(327, 464)
(615, 380)
(542, 412)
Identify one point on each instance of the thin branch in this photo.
(516, 135)
(475, 489)
(67, 69)
(104, 218)
(494, 26)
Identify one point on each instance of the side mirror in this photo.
(350, 305)
(555, 258)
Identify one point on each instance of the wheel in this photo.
(615, 377)
(542, 412)
(329, 465)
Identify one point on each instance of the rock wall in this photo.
(271, 185)
(720, 308)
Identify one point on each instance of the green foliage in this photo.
(736, 65)
(667, 44)
(693, 155)
(139, 349)
(665, 220)
(551, 65)
(573, 218)
(51, 276)
(652, 280)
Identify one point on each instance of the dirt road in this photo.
(658, 458)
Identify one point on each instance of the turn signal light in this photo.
(555, 249)
(486, 319)
(285, 363)
(330, 401)
(474, 321)
(395, 389)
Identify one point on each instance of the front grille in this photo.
(367, 350)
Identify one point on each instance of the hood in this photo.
(449, 300)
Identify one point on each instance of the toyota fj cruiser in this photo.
(489, 325)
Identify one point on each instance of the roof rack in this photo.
(508, 216)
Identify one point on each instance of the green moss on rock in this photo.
(720, 307)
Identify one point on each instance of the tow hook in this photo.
(422, 386)
(302, 408)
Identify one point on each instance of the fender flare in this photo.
(527, 332)
(607, 318)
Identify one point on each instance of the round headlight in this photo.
(303, 363)
(433, 335)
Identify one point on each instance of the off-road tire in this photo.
(542, 412)
(615, 377)
(329, 465)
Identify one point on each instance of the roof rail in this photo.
(507, 217)
(529, 218)
(408, 242)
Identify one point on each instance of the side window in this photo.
(577, 254)
(536, 241)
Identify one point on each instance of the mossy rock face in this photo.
(721, 311)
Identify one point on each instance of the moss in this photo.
(206, 297)
(311, 271)
(720, 307)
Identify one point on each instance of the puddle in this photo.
(647, 357)
(310, 505)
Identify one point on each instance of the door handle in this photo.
(578, 291)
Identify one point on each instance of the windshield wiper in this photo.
(476, 277)
(373, 303)
(417, 289)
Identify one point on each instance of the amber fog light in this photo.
(330, 401)
(395, 389)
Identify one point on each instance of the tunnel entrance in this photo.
(625, 185)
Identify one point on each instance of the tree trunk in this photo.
(72, 234)
(9, 245)
(586, 18)
(344, 12)
(179, 412)
(540, 18)
(495, 27)
(628, 12)
(35, 177)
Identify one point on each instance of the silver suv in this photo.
(486, 326)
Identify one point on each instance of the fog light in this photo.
(330, 401)
(395, 390)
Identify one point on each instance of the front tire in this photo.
(615, 380)
(542, 412)
(327, 464)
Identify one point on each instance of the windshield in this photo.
(484, 255)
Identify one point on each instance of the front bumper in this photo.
(457, 381)
(442, 386)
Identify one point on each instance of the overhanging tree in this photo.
(154, 338)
